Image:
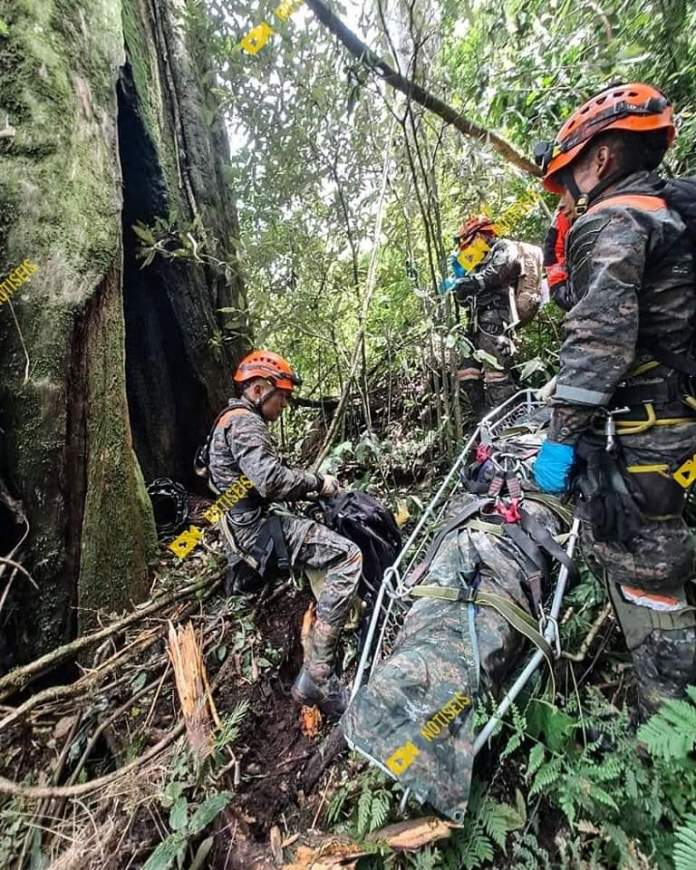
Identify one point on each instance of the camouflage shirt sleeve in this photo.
(500, 269)
(606, 260)
(252, 447)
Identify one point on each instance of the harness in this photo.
(201, 465)
(529, 538)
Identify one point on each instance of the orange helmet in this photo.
(634, 107)
(479, 223)
(266, 364)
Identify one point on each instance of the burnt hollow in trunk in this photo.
(164, 396)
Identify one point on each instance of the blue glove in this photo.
(447, 286)
(553, 465)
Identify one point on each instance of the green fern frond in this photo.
(671, 732)
(230, 727)
(498, 820)
(536, 759)
(684, 854)
(477, 850)
(599, 795)
(364, 810)
(546, 775)
(379, 810)
(513, 743)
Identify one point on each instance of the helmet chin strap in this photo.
(261, 401)
(584, 200)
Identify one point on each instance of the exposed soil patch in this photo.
(271, 747)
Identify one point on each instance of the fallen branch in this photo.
(36, 792)
(19, 678)
(41, 792)
(188, 666)
(72, 690)
(323, 757)
(579, 656)
(417, 93)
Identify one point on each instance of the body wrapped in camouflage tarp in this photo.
(414, 717)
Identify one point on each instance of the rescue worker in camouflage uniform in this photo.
(632, 279)
(241, 445)
(485, 290)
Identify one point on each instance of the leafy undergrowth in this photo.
(567, 785)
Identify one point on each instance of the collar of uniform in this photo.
(643, 182)
(247, 404)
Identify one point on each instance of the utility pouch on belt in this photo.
(607, 502)
(270, 550)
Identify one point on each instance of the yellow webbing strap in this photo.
(636, 427)
(644, 367)
(661, 468)
(482, 526)
(518, 618)
(685, 475)
(552, 503)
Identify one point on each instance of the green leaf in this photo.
(178, 815)
(143, 233)
(198, 862)
(166, 853)
(139, 681)
(172, 793)
(207, 811)
(554, 724)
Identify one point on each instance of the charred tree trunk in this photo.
(107, 122)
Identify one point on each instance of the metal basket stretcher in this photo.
(394, 599)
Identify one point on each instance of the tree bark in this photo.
(417, 93)
(112, 123)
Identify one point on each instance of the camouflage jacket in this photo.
(631, 277)
(242, 444)
(491, 280)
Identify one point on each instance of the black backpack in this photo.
(363, 520)
(680, 194)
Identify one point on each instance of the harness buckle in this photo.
(509, 512)
(685, 475)
(483, 452)
(467, 595)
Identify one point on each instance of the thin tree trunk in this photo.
(417, 93)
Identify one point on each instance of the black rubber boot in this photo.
(475, 395)
(330, 697)
(499, 392)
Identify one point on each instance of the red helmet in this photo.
(266, 364)
(479, 223)
(635, 107)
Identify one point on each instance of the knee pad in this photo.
(640, 613)
(469, 374)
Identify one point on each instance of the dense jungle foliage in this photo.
(348, 195)
(315, 136)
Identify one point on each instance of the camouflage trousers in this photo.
(313, 545)
(651, 583)
(473, 376)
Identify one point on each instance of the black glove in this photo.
(466, 287)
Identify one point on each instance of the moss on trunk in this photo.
(68, 451)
